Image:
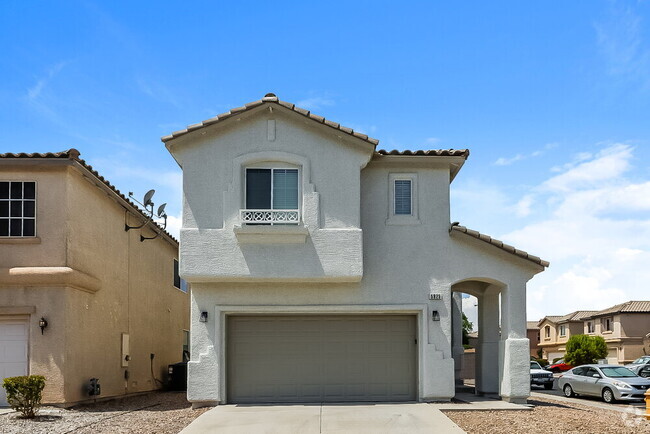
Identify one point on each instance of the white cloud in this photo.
(508, 161)
(596, 234)
(620, 41)
(432, 140)
(315, 102)
(174, 224)
(470, 309)
(34, 92)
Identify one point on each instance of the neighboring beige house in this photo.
(323, 270)
(556, 330)
(532, 331)
(110, 301)
(624, 327)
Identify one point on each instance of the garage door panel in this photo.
(321, 358)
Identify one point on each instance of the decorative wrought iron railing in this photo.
(270, 216)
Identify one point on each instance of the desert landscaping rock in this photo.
(159, 412)
(549, 416)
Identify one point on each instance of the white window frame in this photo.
(562, 331)
(22, 218)
(403, 219)
(274, 166)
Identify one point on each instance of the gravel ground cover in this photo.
(156, 412)
(550, 416)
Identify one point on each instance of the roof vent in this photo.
(270, 95)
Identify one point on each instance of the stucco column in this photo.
(514, 345)
(487, 368)
(457, 349)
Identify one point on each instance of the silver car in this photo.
(611, 382)
(640, 366)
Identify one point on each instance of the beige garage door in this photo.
(321, 358)
(13, 351)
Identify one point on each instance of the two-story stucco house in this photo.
(81, 297)
(555, 331)
(323, 270)
(625, 328)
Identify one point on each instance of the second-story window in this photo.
(590, 326)
(403, 198)
(271, 196)
(547, 331)
(607, 324)
(562, 330)
(17, 209)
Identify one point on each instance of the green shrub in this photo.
(583, 349)
(24, 393)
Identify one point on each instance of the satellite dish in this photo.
(147, 198)
(161, 210)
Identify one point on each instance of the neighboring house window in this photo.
(17, 209)
(178, 282)
(562, 330)
(607, 324)
(590, 326)
(271, 196)
(547, 331)
(403, 201)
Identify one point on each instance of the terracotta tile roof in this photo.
(531, 324)
(270, 98)
(551, 318)
(500, 244)
(73, 154)
(627, 307)
(578, 315)
(429, 153)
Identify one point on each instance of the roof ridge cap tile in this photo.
(271, 100)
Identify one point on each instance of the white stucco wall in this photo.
(355, 258)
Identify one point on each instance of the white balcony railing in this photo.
(270, 216)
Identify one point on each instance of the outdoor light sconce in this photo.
(203, 317)
(42, 323)
(435, 316)
(148, 206)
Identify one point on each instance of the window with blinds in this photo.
(403, 197)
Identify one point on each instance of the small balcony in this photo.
(269, 216)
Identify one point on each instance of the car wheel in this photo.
(549, 386)
(568, 391)
(608, 395)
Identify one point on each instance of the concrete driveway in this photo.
(411, 418)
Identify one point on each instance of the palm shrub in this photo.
(584, 349)
(24, 393)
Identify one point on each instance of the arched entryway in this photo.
(501, 355)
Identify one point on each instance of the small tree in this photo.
(583, 349)
(467, 329)
(24, 393)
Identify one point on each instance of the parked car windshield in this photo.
(618, 372)
(641, 360)
(535, 365)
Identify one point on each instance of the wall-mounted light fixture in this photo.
(42, 323)
(435, 316)
(203, 317)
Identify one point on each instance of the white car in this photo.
(540, 377)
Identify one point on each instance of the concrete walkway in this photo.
(407, 418)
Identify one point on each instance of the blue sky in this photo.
(552, 99)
